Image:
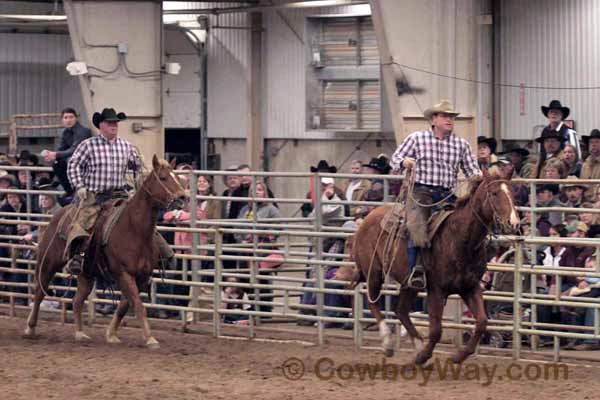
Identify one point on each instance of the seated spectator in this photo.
(322, 166)
(551, 257)
(572, 195)
(591, 166)
(48, 204)
(234, 293)
(206, 209)
(14, 204)
(588, 218)
(356, 188)
(231, 183)
(7, 180)
(518, 158)
(547, 197)
(571, 161)
(378, 166)
(243, 190)
(264, 210)
(590, 288)
(486, 151)
(554, 169)
(574, 256)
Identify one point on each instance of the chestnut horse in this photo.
(129, 256)
(454, 264)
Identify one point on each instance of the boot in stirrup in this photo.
(75, 264)
(417, 279)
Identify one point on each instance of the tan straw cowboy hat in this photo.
(445, 106)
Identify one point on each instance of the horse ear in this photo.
(155, 162)
(173, 163)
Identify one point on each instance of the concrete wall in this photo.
(96, 28)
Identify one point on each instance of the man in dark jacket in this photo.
(73, 134)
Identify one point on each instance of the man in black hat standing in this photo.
(97, 170)
(73, 134)
(436, 155)
(554, 135)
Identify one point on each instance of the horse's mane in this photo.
(474, 185)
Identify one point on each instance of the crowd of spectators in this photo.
(557, 159)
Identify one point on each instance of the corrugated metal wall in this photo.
(548, 43)
(285, 61)
(33, 78)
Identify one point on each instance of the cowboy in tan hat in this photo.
(435, 154)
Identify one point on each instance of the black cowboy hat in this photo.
(594, 134)
(555, 105)
(379, 164)
(323, 166)
(554, 188)
(26, 158)
(490, 142)
(45, 184)
(108, 114)
(550, 134)
(519, 150)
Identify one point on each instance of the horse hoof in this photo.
(389, 352)
(29, 333)
(113, 340)
(421, 359)
(152, 344)
(459, 357)
(82, 337)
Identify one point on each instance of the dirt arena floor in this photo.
(198, 366)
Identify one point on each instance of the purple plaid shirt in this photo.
(99, 165)
(438, 160)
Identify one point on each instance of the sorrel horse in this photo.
(129, 256)
(454, 264)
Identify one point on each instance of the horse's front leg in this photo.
(130, 290)
(435, 308)
(474, 301)
(84, 288)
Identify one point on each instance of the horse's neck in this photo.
(141, 214)
(471, 225)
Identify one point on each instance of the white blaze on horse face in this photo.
(514, 219)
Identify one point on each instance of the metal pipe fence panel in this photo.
(229, 282)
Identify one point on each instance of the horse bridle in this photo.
(171, 196)
(496, 215)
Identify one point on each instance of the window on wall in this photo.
(343, 85)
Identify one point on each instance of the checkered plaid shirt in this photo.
(99, 165)
(438, 160)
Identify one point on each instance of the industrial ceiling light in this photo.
(77, 68)
(26, 17)
(318, 3)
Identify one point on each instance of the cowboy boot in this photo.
(417, 279)
(75, 264)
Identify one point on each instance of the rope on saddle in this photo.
(56, 232)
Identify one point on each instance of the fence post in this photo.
(253, 264)
(195, 239)
(319, 256)
(516, 298)
(533, 259)
(216, 283)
